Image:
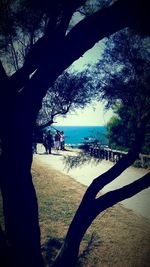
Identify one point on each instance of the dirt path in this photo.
(117, 238)
(140, 203)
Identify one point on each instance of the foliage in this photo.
(146, 145)
(26, 23)
(121, 130)
(70, 91)
(124, 69)
(92, 6)
(123, 77)
(23, 23)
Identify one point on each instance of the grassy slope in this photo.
(116, 238)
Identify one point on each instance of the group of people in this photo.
(57, 141)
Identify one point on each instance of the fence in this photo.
(115, 155)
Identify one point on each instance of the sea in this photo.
(77, 135)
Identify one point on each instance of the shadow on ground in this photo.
(52, 247)
(50, 250)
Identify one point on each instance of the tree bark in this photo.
(19, 197)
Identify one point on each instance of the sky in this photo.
(91, 56)
(92, 115)
(95, 113)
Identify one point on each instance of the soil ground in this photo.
(117, 237)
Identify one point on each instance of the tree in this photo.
(70, 91)
(50, 52)
(123, 122)
(115, 126)
(124, 81)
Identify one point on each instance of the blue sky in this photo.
(93, 114)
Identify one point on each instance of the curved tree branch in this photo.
(97, 26)
(3, 75)
(44, 46)
(113, 197)
(91, 206)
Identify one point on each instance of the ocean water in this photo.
(75, 135)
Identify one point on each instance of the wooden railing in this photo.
(114, 155)
(144, 158)
(106, 153)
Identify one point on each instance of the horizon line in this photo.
(79, 125)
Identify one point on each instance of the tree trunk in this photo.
(83, 218)
(19, 197)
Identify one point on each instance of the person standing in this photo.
(62, 141)
(57, 140)
(48, 142)
(34, 143)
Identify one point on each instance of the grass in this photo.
(117, 237)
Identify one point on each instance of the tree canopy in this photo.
(70, 91)
(121, 130)
(122, 79)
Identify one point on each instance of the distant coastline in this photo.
(76, 135)
(78, 126)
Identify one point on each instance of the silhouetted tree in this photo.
(70, 91)
(123, 79)
(50, 51)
